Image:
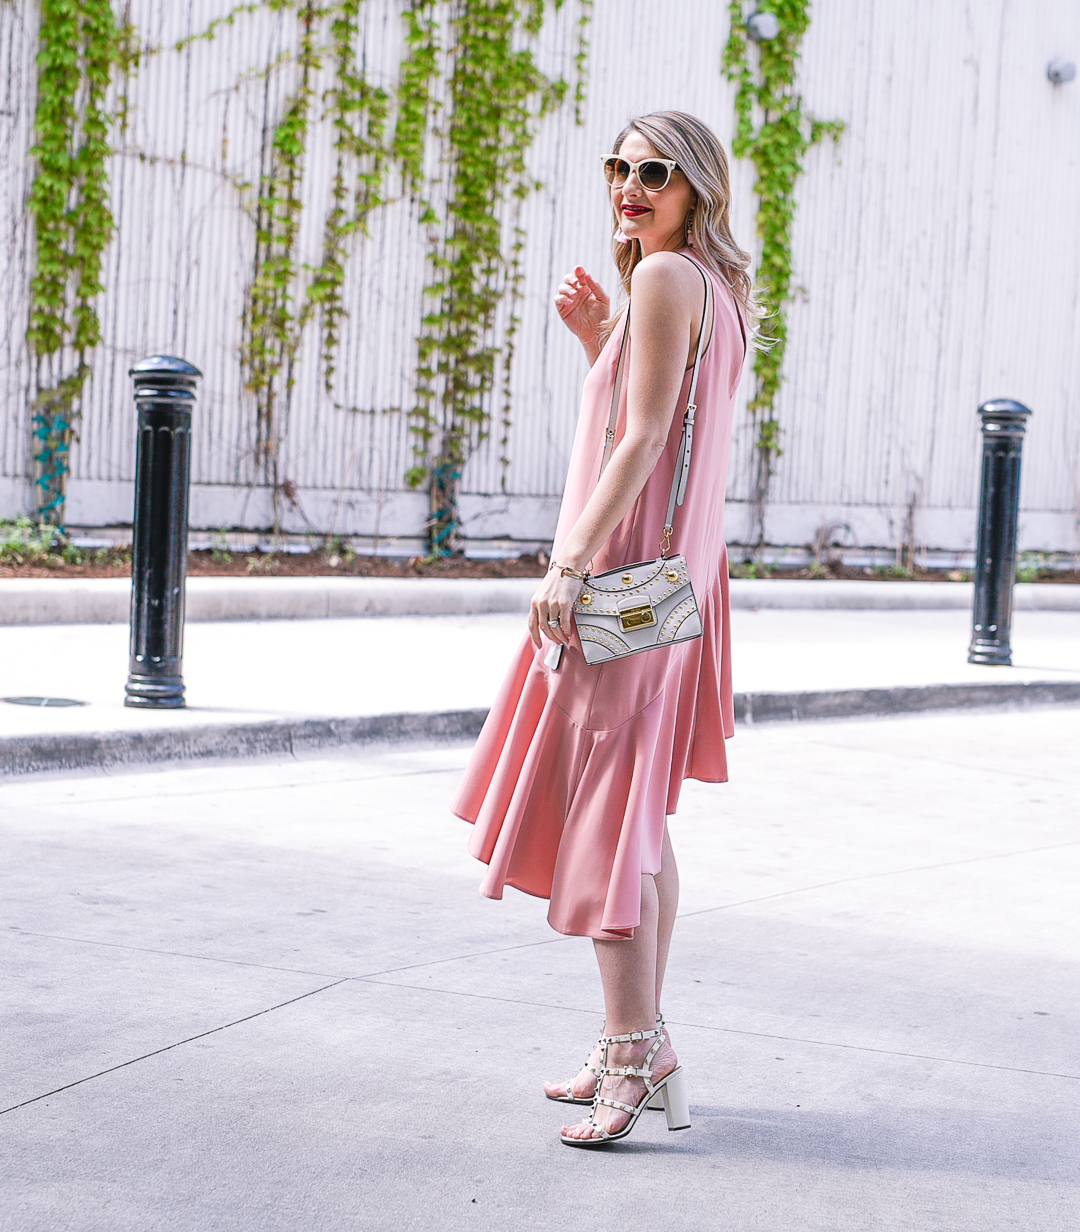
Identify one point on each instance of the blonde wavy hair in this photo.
(701, 159)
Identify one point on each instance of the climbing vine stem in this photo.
(358, 112)
(774, 131)
(272, 328)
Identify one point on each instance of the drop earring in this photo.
(690, 228)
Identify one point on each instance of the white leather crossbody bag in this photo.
(639, 607)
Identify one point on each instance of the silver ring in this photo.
(554, 623)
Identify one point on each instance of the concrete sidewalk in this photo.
(267, 998)
(278, 687)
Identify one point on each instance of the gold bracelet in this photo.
(580, 574)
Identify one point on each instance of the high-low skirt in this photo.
(576, 770)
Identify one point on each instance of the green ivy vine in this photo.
(80, 45)
(496, 94)
(776, 147)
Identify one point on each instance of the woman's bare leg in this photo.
(667, 893)
(666, 883)
(628, 971)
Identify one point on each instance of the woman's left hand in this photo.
(553, 601)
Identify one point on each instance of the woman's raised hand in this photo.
(583, 305)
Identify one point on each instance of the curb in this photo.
(62, 601)
(74, 751)
(46, 753)
(752, 708)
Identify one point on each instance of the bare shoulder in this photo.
(666, 278)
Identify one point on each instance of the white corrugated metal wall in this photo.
(937, 255)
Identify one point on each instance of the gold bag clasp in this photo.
(640, 616)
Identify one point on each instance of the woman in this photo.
(578, 766)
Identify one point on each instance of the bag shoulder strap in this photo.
(609, 431)
(682, 463)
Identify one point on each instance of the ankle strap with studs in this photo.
(631, 1037)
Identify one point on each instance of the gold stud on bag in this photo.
(639, 607)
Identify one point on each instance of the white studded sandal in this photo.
(671, 1090)
(586, 1100)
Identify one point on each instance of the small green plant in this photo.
(116, 554)
(262, 562)
(338, 551)
(219, 548)
(901, 573)
(750, 569)
(24, 542)
(1033, 567)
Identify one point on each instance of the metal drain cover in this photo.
(43, 701)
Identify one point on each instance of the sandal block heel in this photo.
(676, 1100)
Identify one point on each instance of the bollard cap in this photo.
(1004, 416)
(164, 363)
(1003, 406)
(164, 376)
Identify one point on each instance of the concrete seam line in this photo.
(790, 1039)
(885, 1052)
(145, 949)
(236, 962)
(169, 1047)
(894, 872)
(435, 962)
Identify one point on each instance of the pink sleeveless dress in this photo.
(576, 770)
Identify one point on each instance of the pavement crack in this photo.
(144, 949)
(169, 1047)
(895, 872)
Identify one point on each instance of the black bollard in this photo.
(164, 396)
(1003, 422)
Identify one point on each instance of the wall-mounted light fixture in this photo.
(1059, 71)
(762, 26)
